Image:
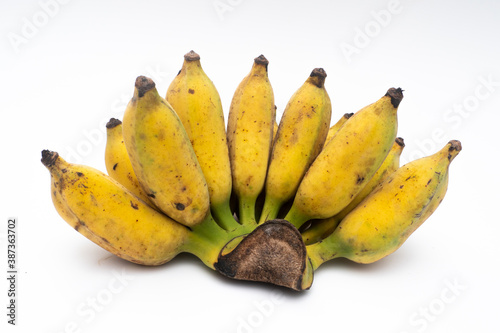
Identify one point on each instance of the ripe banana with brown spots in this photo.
(111, 216)
(250, 136)
(162, 156)
(348, 161)
(197, 103)
(385, 219)
(301, 135)
(104, 211)
(320, 229)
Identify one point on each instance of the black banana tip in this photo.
(455, 145)
(261, 60)
(319, 75)
(400, 141)
(143, 85)
(191, 56)
(112, 123)
(396, 95)
(348, 115)
(49, 157)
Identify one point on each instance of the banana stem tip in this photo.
(400, 141)
(49, 157)
(112, 123)
(320, 75)
(396, 95)
(143, 85)
(455, 145)
(261, 60)
(191, 56)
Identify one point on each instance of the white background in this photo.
(66, 68)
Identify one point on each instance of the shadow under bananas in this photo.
(404, 256)
(188, 260)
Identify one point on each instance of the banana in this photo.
(65, 212)
(197, 103)
(348, 161)
(250, 136)
(335, 127)
(162, 156)
(108, 214)
(98, 206)
(117, 161)
(301, 135)
(319, 229)
(382, 222)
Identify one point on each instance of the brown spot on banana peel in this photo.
(134, 206)
(274, 252)
(396, 95)
(360, 179)
(191, 91)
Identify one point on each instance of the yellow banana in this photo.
(319, 229)
(301, 135)
(382, 222)
(162, 156)
(104, 211)
(197, 103)
(118, 163)
(335, 127)
(314, 234)
(96, 205)
(250, 136)
(348, 161)
(65, 212)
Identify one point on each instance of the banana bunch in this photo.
(260, 200)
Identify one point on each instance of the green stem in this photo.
(270, 210)
(247, 211)
(224, 217)
(206, 241)
(295, 217)
(323, 251)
